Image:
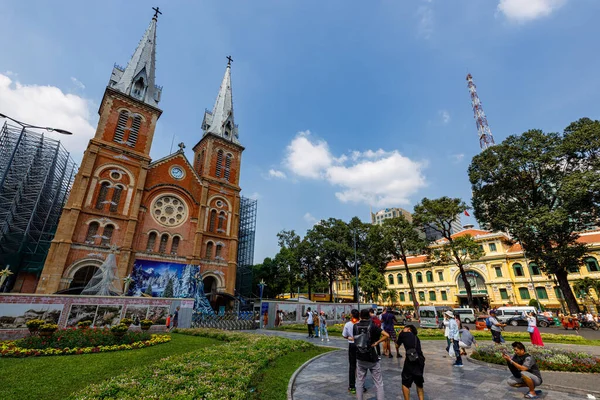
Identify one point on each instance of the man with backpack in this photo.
(414, 364)
(365, 334)
(495, 327)
(348, 333)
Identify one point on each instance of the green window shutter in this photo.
(524, 293)
(444, 295)
(541, 293)
(503, 294)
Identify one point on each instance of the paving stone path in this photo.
(327, 377)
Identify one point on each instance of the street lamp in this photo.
(25, 125)
(356, 273)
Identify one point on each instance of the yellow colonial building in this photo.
(503, 276)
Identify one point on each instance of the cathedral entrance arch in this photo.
(217, 300)
(478, 290)
(82, 276)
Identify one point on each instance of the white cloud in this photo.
(426, 20)
(254, 196)
(379, 178)
(274, 173)
(527, 10)
(456, 158)
(309, 218)
(49, 106)
(77, 83)
(308, 158)
(445, 116)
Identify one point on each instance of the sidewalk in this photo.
(327, 377)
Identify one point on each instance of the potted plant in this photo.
(84, 324)
(47, 330)
(119, 330)
(34, 324)
(145, 324)
(127, 321)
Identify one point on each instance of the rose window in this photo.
(169, 211)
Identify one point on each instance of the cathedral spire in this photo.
(220, 121)
(137, 79)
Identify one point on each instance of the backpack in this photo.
(488, 323)
(362, 341)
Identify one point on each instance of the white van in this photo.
(432, 316)
(503, 314)
(467, 315)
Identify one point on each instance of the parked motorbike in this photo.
(589, 324)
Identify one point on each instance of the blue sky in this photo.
(341, 105)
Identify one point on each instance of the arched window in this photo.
(541, 292)
(151, 241)
(101, 200)
(221, 224)
(419, 277)
(218, 251)
(429, 276)
(209, 250)
(391, 279)
(164, 239)
(592, 264)
(92, 231)
(409, 277)
(213, 220)
(134, 131)
(227, 166)
(116, 198)
(402, 297)
(138, 88)
(399, 279)
(175, 245)
(524, 293)
(535, 270)
(219, 163)
(107, 234)
(121, 126)
(518, 270)
(432, 296)
(421, 296)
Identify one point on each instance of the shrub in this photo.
(227, 371)
(48, 328)
(120, 328)
(72, 338)
(34, 324)
(547, 358)
(84, 324)
(146, 322)
(127, 321)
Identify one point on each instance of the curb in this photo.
(564, 389)
(290, 388)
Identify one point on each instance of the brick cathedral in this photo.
(169, 210)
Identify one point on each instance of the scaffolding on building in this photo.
(246, 236)
(36, 174)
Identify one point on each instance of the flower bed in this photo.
(547, 358)
(75, 338)
(337, 328)
(227, 371)
(12, 349)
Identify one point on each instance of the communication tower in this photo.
(485, 134)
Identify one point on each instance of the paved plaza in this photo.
(327, 377)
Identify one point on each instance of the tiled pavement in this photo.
(327, 377)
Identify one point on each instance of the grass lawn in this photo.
(273, 384)
(55, 377)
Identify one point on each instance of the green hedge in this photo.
(227, 371)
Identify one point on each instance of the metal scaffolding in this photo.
(36, 174)
(245, 259)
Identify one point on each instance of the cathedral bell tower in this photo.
(217, 159)
(103, 206)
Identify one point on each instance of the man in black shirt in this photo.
(414, 363)
(524, 369)
(366, 356)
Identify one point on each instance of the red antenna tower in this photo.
(485, 134)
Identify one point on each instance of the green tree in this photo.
(372, 282)
(583, 286)
(439, 214)
(543, 188)
(290, 257)
(403, 240)
(168, 292)
(392, 296)
(274, 272)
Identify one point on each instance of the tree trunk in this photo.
(331, 290)
(467, 285)
(412, 287)
(563, 283)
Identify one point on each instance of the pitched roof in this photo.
(409, 260)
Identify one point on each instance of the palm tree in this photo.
(384, 296)
(583, 286)
(392, 296)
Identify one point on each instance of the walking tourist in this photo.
(310, 323)
(367, 336)
(323, 325)
(534, 332)
(348, 333)
(414, 363)
(455, 338)
(447, 332)
(466, 340)
(377, 321)
(524, 369)
(317, 324)
(176, 318)
(387, 321)
(168, 323)
(495, 327)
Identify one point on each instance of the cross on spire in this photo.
(229, 60)
(181, 146)
(156, 12)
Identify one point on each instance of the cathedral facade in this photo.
(168, 210)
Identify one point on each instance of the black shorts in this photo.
(496, 336)
(409, 379)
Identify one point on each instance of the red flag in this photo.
(467, 214)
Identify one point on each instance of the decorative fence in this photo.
(230, 321)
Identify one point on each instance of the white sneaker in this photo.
(322, 340)
(328, 340)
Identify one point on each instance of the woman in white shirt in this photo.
(534, 332)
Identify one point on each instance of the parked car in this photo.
(503, 314)
(467, 315)
(542, 321)
(432, 316)
(480, 324)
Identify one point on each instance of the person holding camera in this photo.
(524, 369)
